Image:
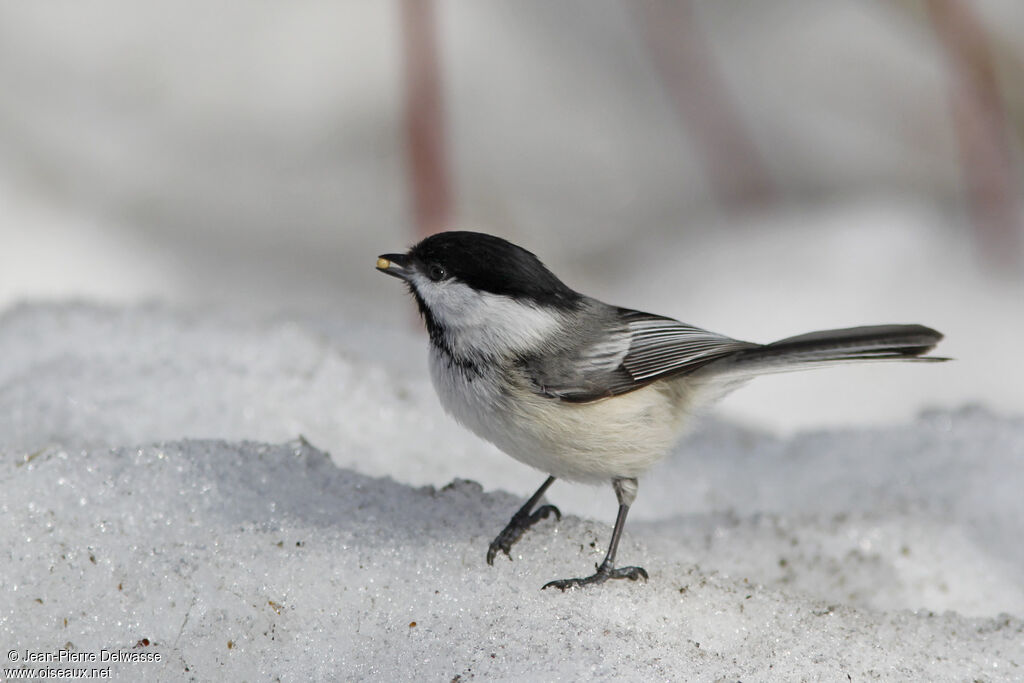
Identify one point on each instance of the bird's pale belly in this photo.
(612, 438)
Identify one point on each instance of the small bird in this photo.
(580, 389)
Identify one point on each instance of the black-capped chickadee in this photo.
(580, 389)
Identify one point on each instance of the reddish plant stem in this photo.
(684, 59)
(982, 131)
(424, 119)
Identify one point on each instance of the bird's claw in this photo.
(515, 529)
(602, 574)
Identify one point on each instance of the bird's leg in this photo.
(521, 521)
(625, 491)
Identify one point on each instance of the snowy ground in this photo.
(158, 498)
(240, 161)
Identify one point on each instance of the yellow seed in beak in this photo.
(383, 264)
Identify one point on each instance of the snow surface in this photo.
(261, 499)
(238, 161)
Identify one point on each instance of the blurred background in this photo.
(759, 169)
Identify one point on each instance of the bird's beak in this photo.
(394, 264)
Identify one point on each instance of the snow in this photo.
(253, 479)
(261, 498)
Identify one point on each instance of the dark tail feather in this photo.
(829, 347)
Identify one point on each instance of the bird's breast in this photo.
(612, 438)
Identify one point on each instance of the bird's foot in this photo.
(603, 574)
(519, 523)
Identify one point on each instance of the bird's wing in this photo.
(632, 350)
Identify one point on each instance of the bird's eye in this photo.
(436, 272)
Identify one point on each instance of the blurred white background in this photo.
(759, 169)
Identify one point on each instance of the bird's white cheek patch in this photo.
(485, 322)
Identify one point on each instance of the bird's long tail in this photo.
(831, 347)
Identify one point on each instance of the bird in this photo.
(583, 390)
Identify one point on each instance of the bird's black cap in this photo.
(494, 265)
